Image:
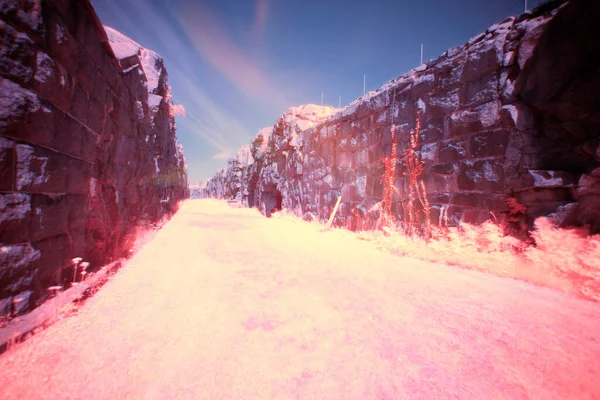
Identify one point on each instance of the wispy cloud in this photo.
(209, 121)
(225, 155)
(261, 9)
(242, 70)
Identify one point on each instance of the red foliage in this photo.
(389, 163)
(416, 186)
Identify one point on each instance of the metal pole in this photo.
(340, 102)
(322, 94)
(421, 55)
(364, 84)
(525, 9)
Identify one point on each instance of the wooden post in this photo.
(337, 204)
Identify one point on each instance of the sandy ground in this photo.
(226, 304)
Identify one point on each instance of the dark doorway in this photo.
(272, 200)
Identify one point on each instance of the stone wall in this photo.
(85, 158)
(509, 131)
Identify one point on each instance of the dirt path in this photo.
(225, 304)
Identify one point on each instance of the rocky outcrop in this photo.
(88, 150)
(505, 127)
(255, 177)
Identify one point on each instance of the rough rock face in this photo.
(257, 177)
(509, 130)
(88, 150)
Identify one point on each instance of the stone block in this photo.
(349, 192)
(363, 110)
(367, 123)
(484, 201)
(480, 90)
(6, 308)
(113, 74)
(26, 14)
(374, 186)
(15, 218)
(483, 59)
(61, 45)
(454, 216)
(18, 267)
(386, 136)
(373, 137)
(406, 113)
(80, 104)
(517, 116)
(528, 43)
(374, 153)
(422, 84)
(23, 302)
(431, 134)
(51, 81)
(88, 145)
(7, 158)
(23, 116)
(134, 89)
(346, 160)
(125, 149)
(476, 216)
(444, 169)
(400, 190)
(452, 151)
(483, 117)
(88, 74)
(438, 183)
(429, 153)
(49, 215)
(67, 134)
(548, 179)
(449, 74)
(44, 171)
(93, 45)
(384, 118)
(96, 116)
(488, 144)
(17, 55)
(444, 101)
(331, 148)
(482, 175)
(346, 130)
(55, 254)
(439, 198)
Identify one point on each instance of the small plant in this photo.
(78, 263)
(389, 162)
(416, 187)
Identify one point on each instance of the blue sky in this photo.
(236, 65)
